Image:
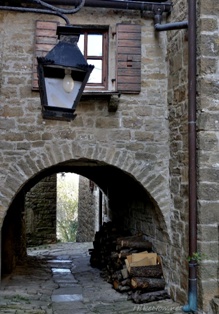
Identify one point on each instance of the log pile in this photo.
(128, 263)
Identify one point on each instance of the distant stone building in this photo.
(130, 136)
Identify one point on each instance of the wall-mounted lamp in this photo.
(63, 74)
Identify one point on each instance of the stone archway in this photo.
(29, 168)
(132, 207)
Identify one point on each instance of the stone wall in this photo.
(146, 138)
(40, 212)
(207, 137)
(177, 54)
(13, 246)
(208, 152)
(88, 207)
(134, 139)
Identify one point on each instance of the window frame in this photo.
(97, 30)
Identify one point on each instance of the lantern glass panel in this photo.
(57, 96)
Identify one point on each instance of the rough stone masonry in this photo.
(146, 138)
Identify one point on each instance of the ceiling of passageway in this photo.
(106, 176)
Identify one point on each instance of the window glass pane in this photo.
(96, 74)
(94, 45)
(81, 43)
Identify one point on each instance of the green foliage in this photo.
(196, 256)
(67, 208)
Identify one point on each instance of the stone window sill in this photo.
(111, 96)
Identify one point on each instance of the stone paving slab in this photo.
(46, 284)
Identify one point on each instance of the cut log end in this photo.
(147, 283)
(137, 297)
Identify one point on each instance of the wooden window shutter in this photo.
(45, 40)
(128, 59)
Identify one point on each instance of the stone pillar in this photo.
(13, 235)
(87, 210)
(40, 212)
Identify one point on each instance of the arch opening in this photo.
(124, 201)
(67, 206)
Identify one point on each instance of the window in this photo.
(93, 43)
(124, 72)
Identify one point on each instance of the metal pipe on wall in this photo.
(171, 26)
(104, 2)
(166, 5)
(168, 26)
(192, 291)
(34, 10)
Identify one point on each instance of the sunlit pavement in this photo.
(58, 279)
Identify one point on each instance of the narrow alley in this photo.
(58, 279)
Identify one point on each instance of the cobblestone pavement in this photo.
(57, 279)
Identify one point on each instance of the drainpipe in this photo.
(119, 4)
(165, 5)
(50, 5)
(192, 292)
(191, 25)
(169, 26)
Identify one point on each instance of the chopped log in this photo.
(121, 286)
(137, 237)
(110, 269)
(126, 282)
(147, 283)
(125, 252)
(116, 284)
(137, 297)
(152, 271)
(117, 265)
(117, 275)
(113, 249)
(124, 288)
(140, 245)
(114, 255)
(124, 273)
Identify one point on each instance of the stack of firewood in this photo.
(128, 263)
(104, 244)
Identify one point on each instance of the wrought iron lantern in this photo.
(63, 74)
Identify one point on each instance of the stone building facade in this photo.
(137, 154)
